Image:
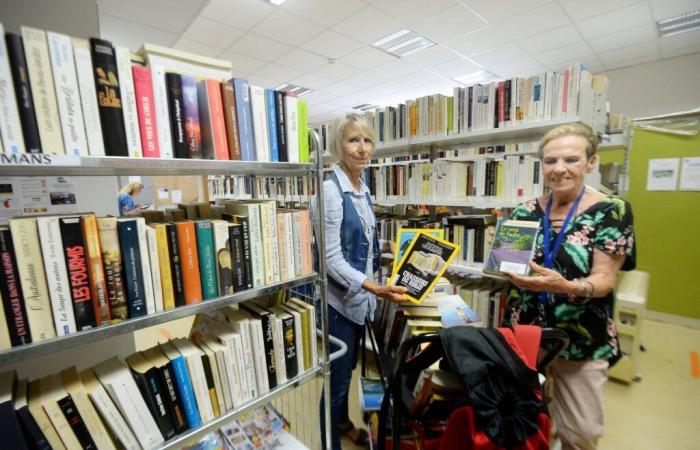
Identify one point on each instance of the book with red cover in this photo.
(78, 274)
(218, 123)
(143, 86)
(98, 282)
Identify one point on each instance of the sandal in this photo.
(358, 436)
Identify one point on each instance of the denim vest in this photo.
(352, 233)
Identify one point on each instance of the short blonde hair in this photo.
(338, 129)
(573, 129)
(131, 187)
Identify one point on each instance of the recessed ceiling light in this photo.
(275, 2)
(481, 76)
(403, 43)
(679, 24)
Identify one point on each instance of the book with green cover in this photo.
(207, 259)
(303, 127)
(512, 248)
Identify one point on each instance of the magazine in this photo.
(405, 237)
(371, 394)
(262, 428)
(512, 248)
(422, 265)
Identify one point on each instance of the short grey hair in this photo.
(338, 129)
(572, 129)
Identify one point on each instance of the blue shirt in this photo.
(355, 303)
(127, 202)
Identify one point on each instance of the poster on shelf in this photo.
(663, 174)
(27, 196)
(690, 174)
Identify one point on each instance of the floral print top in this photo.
(605, 225)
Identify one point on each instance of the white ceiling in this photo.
(325, 45)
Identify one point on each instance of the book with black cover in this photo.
(247, 257)
(76, 423)
(75, 253)
(25, 102)
(168, 386)
(109, 97)
(267, 322)
(238, 263)
(11, 291)
(33, 436)
(281, 126)
(133, 273)
(288, 337)
(177, 122)
(12, 436)
(175, 268)
(146, 377)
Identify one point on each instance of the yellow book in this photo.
(98, 283)
(499, 179)
(166, 279)
(306, 341)
(41, 418)
(53, 394)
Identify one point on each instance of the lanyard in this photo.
(549, 255)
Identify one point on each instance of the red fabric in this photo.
(528, 338)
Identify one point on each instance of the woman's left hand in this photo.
(543, 280)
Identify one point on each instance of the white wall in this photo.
(658, 87)
(76, 18)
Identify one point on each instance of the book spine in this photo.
(98, 284)
(16, 117)
(257, 108)
(154, 259)
(287, 229)
(238, 262)
(109, 98)
(189, 261)
(290, 349)
(247, 253)
(166, 276)
(296, 242)
(245, 121)
(281, 126)
(88, 97)
(272, 124)
(268, 227)
(207, 259)
(223, 257)
(11, 292)
(66, 82)
(184, 388)
(142, 242)
(218, 122)
(131, 119)
(190, 110)
(269, 342)
(76, 422)
(257, 249)
(228, 100)
(303, 125)
(168, 385)
(75, 253)
(112, 263)
(175, 108)
(292, 130)
(41, 80)
(306, 233)
(160, 104)
(258, 342)
(159, 410)
(205, 121)
(175, 264)
(146, 111)
(133, 273)
(211, 385)
(33, 432)
(56, 275)
(278, 345)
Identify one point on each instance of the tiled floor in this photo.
(660, 412)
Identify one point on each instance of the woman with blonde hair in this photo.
(125, 200)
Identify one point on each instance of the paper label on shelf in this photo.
(163, 194)
(690, 174)
(176, 196)
(38, 159)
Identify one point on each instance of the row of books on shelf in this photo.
(505, 177)
(498, 104)
(64, 274)
(286, 189)
(465, 152)
(232, 357)
(63, 95)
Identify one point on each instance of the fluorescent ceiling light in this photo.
(481, 76)
(680, 24)
(403, 43)
(275, 2)
(298, 90)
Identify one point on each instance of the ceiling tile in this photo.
(558, 37)
(521, 66)
(536, 20)
(336, 71)
(431, 56)
(368, 25)
(578, 10)
(455, 68)
(368, 57)
(267, 83)
(449, 24)
(625, 38)
(678, 41)
(665, 9)
(133, 35)
(244, 14)
(410, 11)
(495, 11)
(633, 62)
(277, 72)
(680, 51)
(573, 51)
(614, 21)
(591, 62)
(478, 41)
(498, 55)
(365, 79)
(311, 81)
(171, 15)
(394, 70)
(332, 45)
(213, 33)
(640, 50)
(197, 48)
(242, 63)
(286, 27)
(302, 60)
(260, 47)
(338, 89)
(323, 12)
(315, 97)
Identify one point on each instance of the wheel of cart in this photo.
(501, 405)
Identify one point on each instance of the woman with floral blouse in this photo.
(585, 239)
